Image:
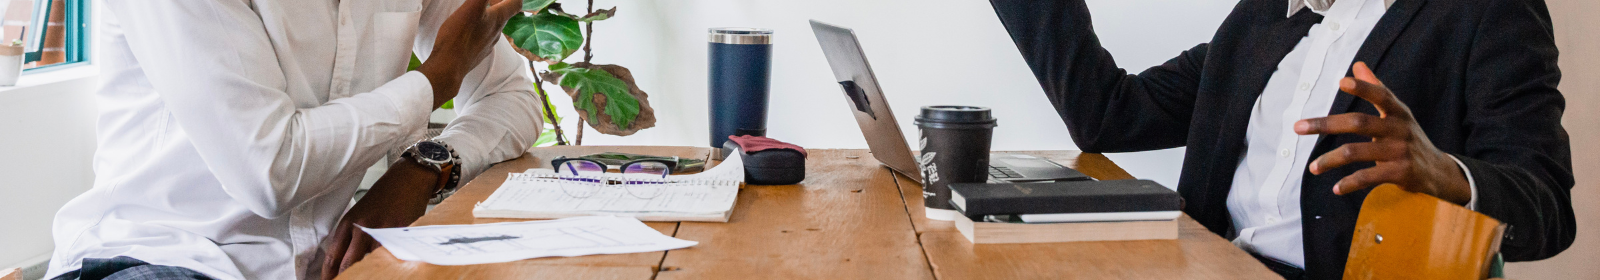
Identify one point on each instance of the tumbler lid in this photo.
(955, 114)
(741, 35)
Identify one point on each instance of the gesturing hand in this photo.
(1402, 152)
(464, 39)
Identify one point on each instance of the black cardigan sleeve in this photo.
(1516, 149)
(1105, 108)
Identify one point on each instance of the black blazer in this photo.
(1480, 76)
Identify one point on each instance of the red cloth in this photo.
(751, 144)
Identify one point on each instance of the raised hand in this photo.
(1402, 152)
(464, 39)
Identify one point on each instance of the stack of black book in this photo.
(1066, 211)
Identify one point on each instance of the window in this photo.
(64, 25)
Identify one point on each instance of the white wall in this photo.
(924, 53)
(48, 124)
(1576, 34)
(49, 138)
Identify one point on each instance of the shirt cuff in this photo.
(470, 149)
(411, 94)
(1472, 204)
(412, 98)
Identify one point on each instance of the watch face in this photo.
(433, 151)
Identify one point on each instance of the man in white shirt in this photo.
(1279, 160)
(233, 133)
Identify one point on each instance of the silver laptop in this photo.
(883, 134)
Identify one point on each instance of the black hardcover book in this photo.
(976, 200)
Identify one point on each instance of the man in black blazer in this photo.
(1460, 102)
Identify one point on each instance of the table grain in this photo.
(851, 218)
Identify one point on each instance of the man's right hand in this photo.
(398, 198)
(465, 39)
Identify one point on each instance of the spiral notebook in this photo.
(537, 194)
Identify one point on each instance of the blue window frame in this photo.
(75, 39)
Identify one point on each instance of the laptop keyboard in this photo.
(1002, 173)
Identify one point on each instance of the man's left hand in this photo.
(1402, 152)
(396, 200)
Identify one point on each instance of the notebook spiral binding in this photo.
(552, 178)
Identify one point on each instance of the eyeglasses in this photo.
(582, 178)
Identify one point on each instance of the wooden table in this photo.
(852, 218)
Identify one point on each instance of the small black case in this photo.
(770, 167)
(976, 200)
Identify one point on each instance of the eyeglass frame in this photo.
(558, 162)
(555, 164)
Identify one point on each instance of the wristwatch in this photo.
(441, 158)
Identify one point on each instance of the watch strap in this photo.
(450, 169)
(453, 180)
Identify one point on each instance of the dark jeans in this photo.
(119, 268)
(1288, 271)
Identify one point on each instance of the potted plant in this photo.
(604, 95)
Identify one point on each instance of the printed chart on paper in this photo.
(501, 242)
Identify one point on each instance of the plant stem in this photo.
(549, 113)
(588, 28)
(580, 134)
(588, 38)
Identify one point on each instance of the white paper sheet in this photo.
(504, 242)
(536, 194)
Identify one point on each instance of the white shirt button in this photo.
(1334, 26)
(1285, 153)
(1305, 86)
(1272, 220)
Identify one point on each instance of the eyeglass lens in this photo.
(581, 168)
(582, 178)
(645, 179)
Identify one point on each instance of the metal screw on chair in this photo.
(1380, 238)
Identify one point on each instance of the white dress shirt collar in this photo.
(1320, 6)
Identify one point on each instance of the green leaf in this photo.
(546, 138)
(556, 9)
(599, 15)
(414, 63)
(547, 36)
(619, 105)
(559, 65)
(535, 5)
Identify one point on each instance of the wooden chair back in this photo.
(1405, 235)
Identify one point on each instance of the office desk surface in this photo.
(851, 218)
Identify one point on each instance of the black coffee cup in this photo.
(955, 149)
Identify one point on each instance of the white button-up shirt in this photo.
(1264, 200)
(232, 134)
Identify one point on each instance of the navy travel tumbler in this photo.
(741, 67)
